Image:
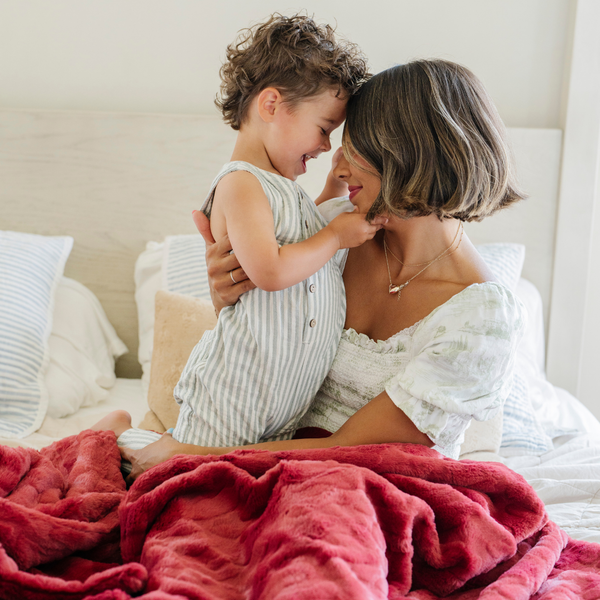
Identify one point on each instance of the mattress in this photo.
(126, 394)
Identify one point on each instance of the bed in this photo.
(108, 198)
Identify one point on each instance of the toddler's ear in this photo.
(269, 101)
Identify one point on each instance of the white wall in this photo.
(588, 390)
(164, 55)
(573, 350)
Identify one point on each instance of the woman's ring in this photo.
(232, 279)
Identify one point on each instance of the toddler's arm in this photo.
(242, 210)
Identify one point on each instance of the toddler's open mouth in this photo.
(305, 158)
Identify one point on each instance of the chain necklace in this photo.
(397, 289)
(415, 264)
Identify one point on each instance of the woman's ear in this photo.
(269, 102)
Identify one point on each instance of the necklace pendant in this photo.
(397, 289)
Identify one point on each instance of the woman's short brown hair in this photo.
(292, 54)
(434, 136)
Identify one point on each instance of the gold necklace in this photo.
(406, 264)
(397, 289)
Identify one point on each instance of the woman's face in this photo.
(363, 181)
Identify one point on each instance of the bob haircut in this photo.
(292, 54)
(432, 133)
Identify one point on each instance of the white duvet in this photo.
(567, 479)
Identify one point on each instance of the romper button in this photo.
(306, 224)
(312, 288)
(312, 323)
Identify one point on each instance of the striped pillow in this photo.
(30, 269)
(184, 266)
(522, 432)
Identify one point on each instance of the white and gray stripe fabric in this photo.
(253, 377)
(30, 269)
(184, 266)
(134, 439)
(522, 433)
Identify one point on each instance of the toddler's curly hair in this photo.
(294, 55)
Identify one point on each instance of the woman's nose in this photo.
(341, 170)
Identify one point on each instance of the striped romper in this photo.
(253, 377)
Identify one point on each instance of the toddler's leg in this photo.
(119, 421)
(135, 439)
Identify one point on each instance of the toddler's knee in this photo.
(121, 415)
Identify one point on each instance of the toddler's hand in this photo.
(352, 229)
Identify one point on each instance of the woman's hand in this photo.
(153, 454)
(226, 278)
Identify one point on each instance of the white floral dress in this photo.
(454, 365)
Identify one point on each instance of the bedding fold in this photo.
(372, 522)
(59, 521)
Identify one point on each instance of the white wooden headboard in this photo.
(115, 181)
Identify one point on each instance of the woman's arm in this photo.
(380, 421)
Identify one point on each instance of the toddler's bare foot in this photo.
(117, 421)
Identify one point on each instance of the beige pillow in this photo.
(179, 322)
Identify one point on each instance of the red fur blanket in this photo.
(393, 521)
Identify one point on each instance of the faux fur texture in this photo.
(372, 522)
(59, 522)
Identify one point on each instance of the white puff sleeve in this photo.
(461, 364)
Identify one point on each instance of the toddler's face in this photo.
(302, 132)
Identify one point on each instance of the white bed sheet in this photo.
(126, 394)
(567, 478)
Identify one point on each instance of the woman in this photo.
(430, 338)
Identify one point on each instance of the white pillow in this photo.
(83, 346)
(505, 261)
(176, 265)
(532, 411)
(520, 431)
(533, 344)
(148, 280)
(30, 269)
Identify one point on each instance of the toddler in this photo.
(284, 88)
